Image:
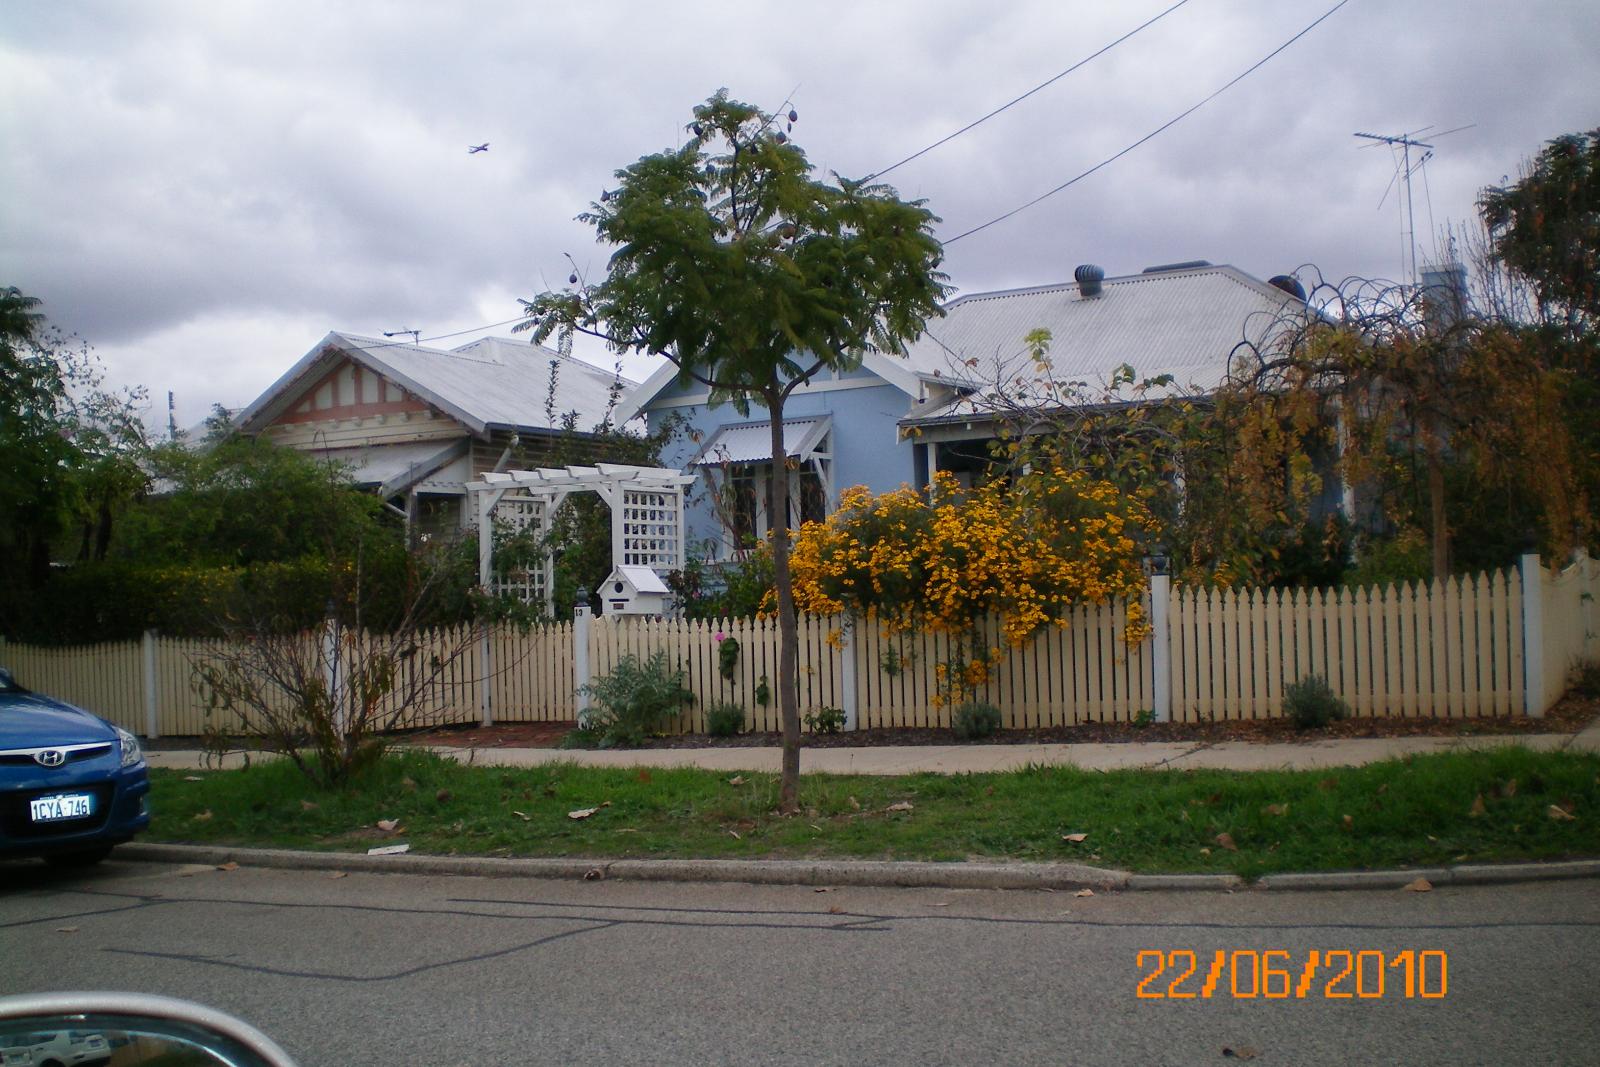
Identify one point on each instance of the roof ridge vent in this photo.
(1088, 276)
(1188, 264)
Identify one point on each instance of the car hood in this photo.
(28, 720)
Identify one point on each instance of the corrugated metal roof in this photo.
(1185, 323)
(751, 442)
(495, 382)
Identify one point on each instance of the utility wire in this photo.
(1042, 85)
(1153, 133)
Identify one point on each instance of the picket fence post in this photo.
(1532, 635)
(1161, 645)
(152, 691)
(847, 674)
(581, 623)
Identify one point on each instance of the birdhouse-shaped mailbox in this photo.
(635, 591)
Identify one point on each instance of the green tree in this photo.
(68, 451)
(752, 276)
(1546, 228)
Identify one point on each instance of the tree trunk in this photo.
(788, 630)
(1441, 529)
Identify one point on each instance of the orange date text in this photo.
(1278, 974)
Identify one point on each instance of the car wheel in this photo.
(87, 857)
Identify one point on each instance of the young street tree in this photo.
(752, 276)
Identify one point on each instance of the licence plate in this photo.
(62, 806)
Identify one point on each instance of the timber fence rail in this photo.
(1499, 643)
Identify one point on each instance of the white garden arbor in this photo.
(646, 518)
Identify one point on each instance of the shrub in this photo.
(974, 722)
(724, 720)
(637, 699)
(727, 656)
(824, 720)
(1586, 679)
(1312, 703)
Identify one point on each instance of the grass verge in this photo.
(1491, 806)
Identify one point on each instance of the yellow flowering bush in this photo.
(1026, 552)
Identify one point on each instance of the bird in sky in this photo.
(484, 147)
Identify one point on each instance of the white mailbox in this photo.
(635, 591)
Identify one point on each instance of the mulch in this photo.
(1569, 716)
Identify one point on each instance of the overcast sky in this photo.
(202, 190)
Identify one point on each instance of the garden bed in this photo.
(1569, 716)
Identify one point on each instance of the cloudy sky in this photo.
(202, 190)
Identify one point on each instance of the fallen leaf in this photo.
(388, 850)
(1074, 838)
(1430, 837)
(904, 805)
(407, 784)
(939, 904)
(582, 813)
(835, 909)
(1560, 814)
(1276, 809)
(1243, 1052)
(229, 866)
(1205, 852)
(388, 826)
(737, 779)
(1478, 807)
(814, 826)
(1462, 857)
(204, 816)
(1509, 789)
(822, 889)
(442, 796)
(1183, 815)
(1214, 799)
(1347, 821)
(66, 929)
(1328, 783)
(1225, 839)
(1085, 892)
(308, 805)
(855, 805)
(339, 874)
(1421, 885)
(524, 815)
(735, 834)
(644, 775)
(593, 874)
(193, 778)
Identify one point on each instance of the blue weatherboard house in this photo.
(895, 420)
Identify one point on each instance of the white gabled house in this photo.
(415, 424)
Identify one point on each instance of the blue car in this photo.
(71, 784)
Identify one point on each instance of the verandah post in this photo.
(1532, 635)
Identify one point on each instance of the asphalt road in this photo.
(396, 969)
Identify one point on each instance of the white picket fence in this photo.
(1500, 643)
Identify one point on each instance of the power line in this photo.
(1257, 65)
(1042, 85)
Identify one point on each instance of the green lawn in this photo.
(1417, 811)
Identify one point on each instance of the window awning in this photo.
(394, 468)
(752, 442)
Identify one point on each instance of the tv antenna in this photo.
(1406, 142)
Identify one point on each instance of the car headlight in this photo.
(131, 753)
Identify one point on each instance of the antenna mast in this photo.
(1406, 143)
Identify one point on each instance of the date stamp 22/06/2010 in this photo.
(1278, 974)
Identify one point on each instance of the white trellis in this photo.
(646, 517)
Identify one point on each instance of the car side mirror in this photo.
(132, 1028)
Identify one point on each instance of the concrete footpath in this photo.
(982, 758)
